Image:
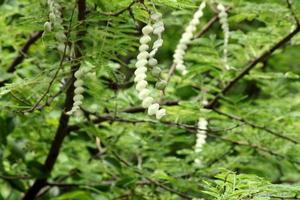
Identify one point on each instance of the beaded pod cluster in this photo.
(55, 23)
(200, 137)
(78, 97)
(186, 39)
(146, 60)
(224, 23)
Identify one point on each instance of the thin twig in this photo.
(237, 118)
(263, 57)
(114, 14)
(33, 108)
(22, 52)
(161, 185)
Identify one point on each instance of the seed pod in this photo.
(143, 55)
(144, 93)
(140, 70)
(153, 109)
(161, 85)
(147, 29)
(78, 74)
(156, 16)
(79, 90)
(78, 83)
(52, 17)
(145, 39)
(159, 30)
(78, 98)
(143, 47)
(152, 62)
(160, 113)
(158, 43)
(47, 27)
(140, 77)
(141, 85)
(77, 103)
(61, 37)
(141, 63)
(156, 72)
(147, 102)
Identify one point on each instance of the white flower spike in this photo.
(225, 28)
(186, 39)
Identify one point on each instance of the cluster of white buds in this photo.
(224, 23)
(186, 39)
(145, 59)
(78, 97)
(201, 137)
(55, 22)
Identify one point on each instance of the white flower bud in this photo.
(187, 36)
(143, 55)
(145, 39)
(158, 43)
(156, 16)
(141, 85)
(141, 63)
(52, 17)
(147, 102)
(143, 47)
(47, 27)
(139, 77)
(202, 5)
(143, 94)
(195, 21)
(152, 62)
(77, 103)
(140, 70)
(190, 29)
(152, 109)
(61, 37)
(78, 83)
(79, 90)
(78, 74)
(220, 7)
(198, 14)
(153, 52)
(160, 113)
(159, 30)
(78, 98)
(147, 29)
(180, 67)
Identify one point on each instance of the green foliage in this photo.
(112, 148)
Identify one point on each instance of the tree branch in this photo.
(22, 52)
(251, 65)
(61, 132)
(230, 116)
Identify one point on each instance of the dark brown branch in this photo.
(22, 52)
(251, 65)
(237, 118)
(61, 132)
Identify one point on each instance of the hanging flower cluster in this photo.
(186, 39)
(55, 23)
(78, 97)
(201, 137)
(146, 59)
(224, 23)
